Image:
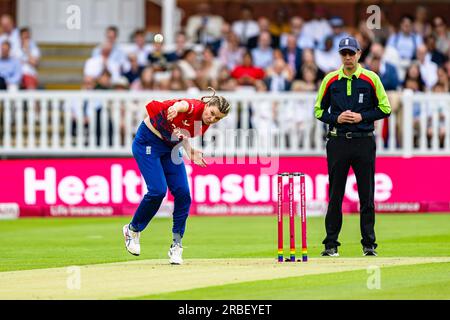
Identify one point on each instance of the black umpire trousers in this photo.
(359, 153)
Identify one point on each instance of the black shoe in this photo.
(369, 251)
(330, 252)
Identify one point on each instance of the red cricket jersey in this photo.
(187, 123)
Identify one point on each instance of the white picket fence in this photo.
(55, 123)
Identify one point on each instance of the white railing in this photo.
(55, 123)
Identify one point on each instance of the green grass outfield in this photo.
(53, 244)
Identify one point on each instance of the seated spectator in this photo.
(436, 56)
(117, 54)
(308, 60)
(135, 68)
(204, 27)
(140, 49)
(292, 54)
(413, 75)
(386, 71)
(189, 67)
(307, 82)
(328, 59)
(209, 70)
(338, 33)
(442, 34)
(406, 41)
(287, 70)
(246, 27)
(443, 79)
(231, 54)
(222, 40)
(176, 82)
(263, 24)
(9, 33)
(277, 80)
(296, 29)
(180, 48)
(318, 27)
(95, 65)
(247, 73)
(145, 82)
(262, 55)
(29, 55)
(10, 67)
(428, 69)
(421, 24)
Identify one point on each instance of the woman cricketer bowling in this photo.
(166, 127)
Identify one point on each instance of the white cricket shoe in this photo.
(131, 240)
(175, 254)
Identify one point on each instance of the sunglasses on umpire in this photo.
(347, 52)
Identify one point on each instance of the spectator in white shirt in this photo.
(139, 48)
(247, 27)
(297, 29)
(9, 33)
(230, 53)
(95, 66)
(405, 41)
(319, 27)
(328, 59)
(442, 34)
(428, 69)
(278, 81)
(189, 66)
(117, 54)
(263, 54)
(204, 27)
(29, 55)
(10, 68)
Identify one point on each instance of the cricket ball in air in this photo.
(158, 38)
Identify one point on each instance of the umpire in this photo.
(349, 100)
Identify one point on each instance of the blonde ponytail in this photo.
(222, 104)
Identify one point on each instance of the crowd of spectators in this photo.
(283, 54)
(19, 57)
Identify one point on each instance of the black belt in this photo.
(350, 135)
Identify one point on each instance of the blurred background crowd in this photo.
(287, 54)
(252, 53)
